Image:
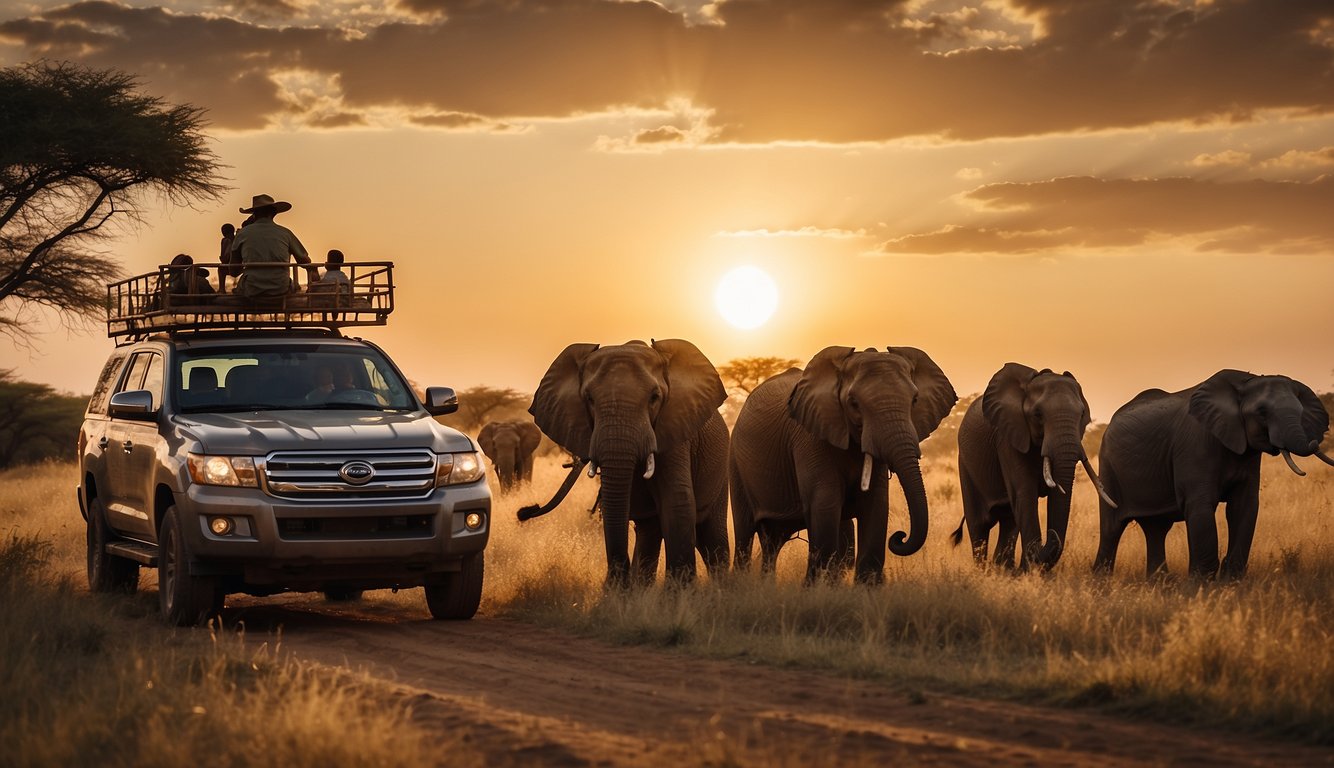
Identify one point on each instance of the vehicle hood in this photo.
(256, 433)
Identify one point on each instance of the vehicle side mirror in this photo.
(441, 400)
(133, 404)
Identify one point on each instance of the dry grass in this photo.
(1254, 655)
(86, 677)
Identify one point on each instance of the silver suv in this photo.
(268, 460)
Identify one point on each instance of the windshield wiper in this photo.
(239, 407)
(345, 407)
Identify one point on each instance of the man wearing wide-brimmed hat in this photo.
(263, 248)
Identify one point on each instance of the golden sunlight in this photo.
(746, 297)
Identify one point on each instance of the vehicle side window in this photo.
(134, 379)
(97, 404)
(153, 379)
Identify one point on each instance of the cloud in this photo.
(1297, 160)
(845, 71)
(1226, 158)
(1081, 213)
(807, 231)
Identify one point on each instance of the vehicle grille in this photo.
(315, 476)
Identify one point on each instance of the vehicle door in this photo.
(132, 449)
(93, 440)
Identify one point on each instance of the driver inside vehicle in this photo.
(337, 383)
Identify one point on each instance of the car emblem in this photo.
(356, 472)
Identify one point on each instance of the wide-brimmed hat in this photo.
(264, 201)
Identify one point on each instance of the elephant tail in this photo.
(532, 510)
(957, 536)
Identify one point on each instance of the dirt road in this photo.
(529, 695)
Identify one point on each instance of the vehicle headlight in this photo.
(222, 470)
(459, 468)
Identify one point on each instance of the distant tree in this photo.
(36, 422)
(481, 404)
(744, 374)
(78, 147)
(943, 444)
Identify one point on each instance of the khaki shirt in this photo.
(266, 242)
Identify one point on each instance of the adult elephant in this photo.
(1173, 457)
(647, 417)
(814, 449)
(1018, 443)
(510, 446)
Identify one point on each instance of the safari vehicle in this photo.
(256, 450)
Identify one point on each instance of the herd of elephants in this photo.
(814, 449)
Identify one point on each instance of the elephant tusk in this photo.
(1292, 464)
(1097, 483)
(648, 473)
(592, 469)
(1046, 475)
(867, 461)
(1320, 455)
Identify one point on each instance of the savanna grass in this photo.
(1253, 655)
(79, 681)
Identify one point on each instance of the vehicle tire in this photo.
(458, 596)
(106, 572)
(185, 600)
(342, 595)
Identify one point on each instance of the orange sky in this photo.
(1138, 193)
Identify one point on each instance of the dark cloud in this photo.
(770, 70)
(265, 9)
(1081, 213)
(664, 135)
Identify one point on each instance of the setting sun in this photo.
(746, 297)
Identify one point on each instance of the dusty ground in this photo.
(528, 695)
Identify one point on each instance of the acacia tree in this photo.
(79, 147)
(743, 375)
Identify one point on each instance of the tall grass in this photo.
(1254, 655)
(84, 679)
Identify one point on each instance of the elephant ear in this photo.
(935, 394)
(558, 405)
(1003, 405)
(1217, 405)
(1315, 419)
(694, 392)
(487, 439)
(814, 401)
(1086, 418)
(529, 436)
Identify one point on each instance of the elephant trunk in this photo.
(1061, 454)
(622, 446)
(893, 440)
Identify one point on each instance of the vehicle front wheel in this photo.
(106, 572)
(459, 595)
(186, 600)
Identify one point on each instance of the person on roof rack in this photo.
(263, 249)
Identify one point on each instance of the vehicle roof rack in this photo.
(147, 304)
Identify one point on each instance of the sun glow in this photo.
(746, 297)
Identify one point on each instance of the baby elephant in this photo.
(1173, 457)
(1018, 443)
(510, 446)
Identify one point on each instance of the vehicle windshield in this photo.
(306, 377)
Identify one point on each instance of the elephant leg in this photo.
(1202, 539)
(711, 538)
(873, 531)
(1155, 544)
(673, 494)
(771, 543)
(845, 555)
(1110, 530)
(1025, 515)
(1007, 540)
(743, 520)
(975, 515)
(1242, 509)
(648, 546)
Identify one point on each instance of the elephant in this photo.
(510, 446)
(1174, 457)
(1001, 476)
(815, 448)
(645, 416)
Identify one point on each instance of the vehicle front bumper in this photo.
(312, 544)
